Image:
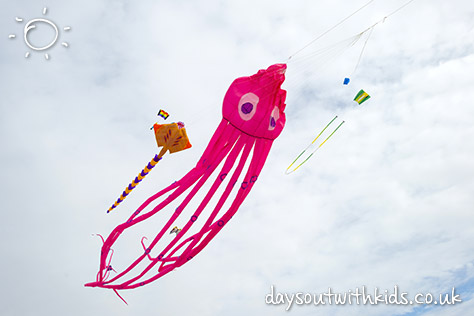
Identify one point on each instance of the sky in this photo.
(387, 201)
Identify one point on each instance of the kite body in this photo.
(361, 97)
(253, 116)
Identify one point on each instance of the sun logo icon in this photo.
(32, 25)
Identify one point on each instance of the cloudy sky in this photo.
(386, 201)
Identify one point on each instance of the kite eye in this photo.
(274, 118)
(247, 106)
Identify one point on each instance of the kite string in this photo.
(387, 16)
(371, 29)
(332, 28)
(348, 17)
(356, 38)
(362, 52)
(395, 11)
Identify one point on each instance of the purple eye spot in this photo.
(247, 107)
(272, 122)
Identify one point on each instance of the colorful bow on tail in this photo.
(171, 137)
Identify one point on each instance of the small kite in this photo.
(361, 97)
(163, 114)
(175, 230)
(346, 81)
(253, 117)
(171, 137)
(288, 171)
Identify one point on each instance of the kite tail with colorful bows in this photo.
(138, 178)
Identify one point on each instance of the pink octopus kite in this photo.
(253, 116)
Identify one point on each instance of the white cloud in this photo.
(387, 200)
